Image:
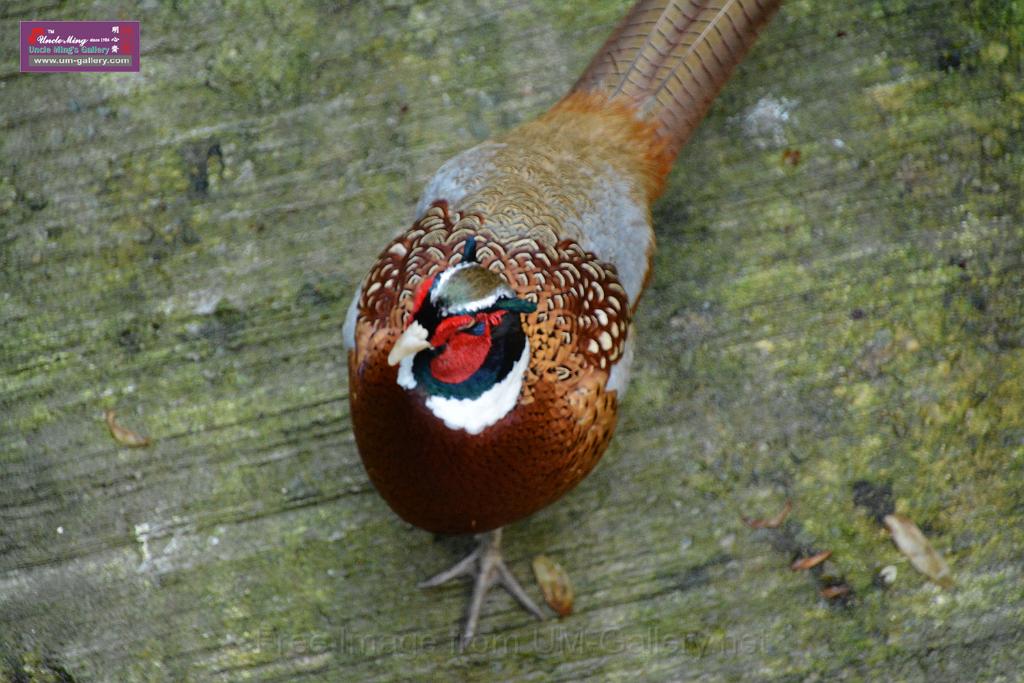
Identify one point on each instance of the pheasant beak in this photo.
(413, 340)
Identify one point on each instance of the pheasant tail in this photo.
(667, 60)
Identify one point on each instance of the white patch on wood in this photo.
(765, 123)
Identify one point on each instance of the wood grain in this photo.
(180, 245)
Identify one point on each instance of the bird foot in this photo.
(487, 567)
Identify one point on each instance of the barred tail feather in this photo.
(668, 59)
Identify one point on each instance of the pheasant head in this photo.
(465, 339)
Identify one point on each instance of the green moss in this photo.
(255, 67)
(32, 667)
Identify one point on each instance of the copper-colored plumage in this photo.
(672, 58)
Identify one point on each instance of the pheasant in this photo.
(490, 343)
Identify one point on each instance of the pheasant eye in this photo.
(449, 327)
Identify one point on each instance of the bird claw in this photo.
(487, 567)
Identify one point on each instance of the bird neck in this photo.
(507, 342)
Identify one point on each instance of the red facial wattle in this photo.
(463, 353)
(421, 293)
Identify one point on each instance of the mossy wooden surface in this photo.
(180, 245)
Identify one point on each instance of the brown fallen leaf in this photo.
(812, 561)
(554, 583)
(833, 592)
(791, 157)
(912, 543)
(123, 436)
(771, 522)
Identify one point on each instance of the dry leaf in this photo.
(812, 561)
(554, 583)
(772, 522)
(919, 551)
(791, 157)
(833, 592)
(125, 437)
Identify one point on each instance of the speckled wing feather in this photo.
(671, 58)
(582, 309)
